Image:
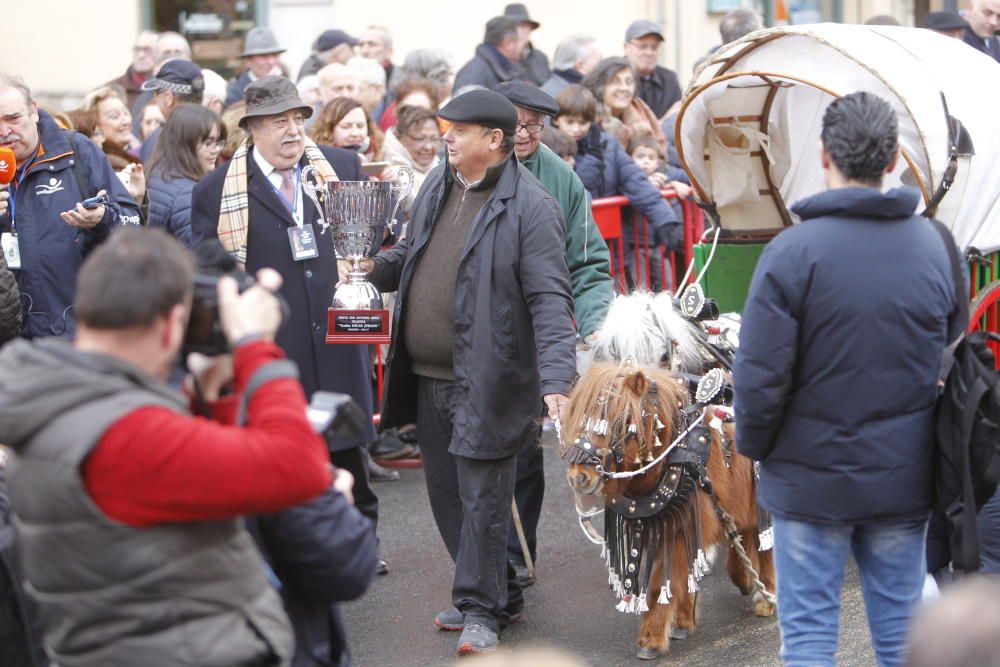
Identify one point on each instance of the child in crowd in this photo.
(560, 143)
(645, 152)
(606, 171)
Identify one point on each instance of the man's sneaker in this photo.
(477, 638)
(451, 620)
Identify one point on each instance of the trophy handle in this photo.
(313, 187)
(401, 190)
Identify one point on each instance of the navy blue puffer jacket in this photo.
(840, 349)
(170, 206)
(607, 171)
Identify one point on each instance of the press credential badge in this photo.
(303, 242)
(11, 251)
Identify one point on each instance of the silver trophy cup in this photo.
(357, 213)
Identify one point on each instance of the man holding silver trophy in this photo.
(482, 334)
(257, 207)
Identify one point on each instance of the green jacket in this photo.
(586, 251)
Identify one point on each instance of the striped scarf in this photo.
(234, 213)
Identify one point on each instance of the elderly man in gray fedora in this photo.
(261, 57)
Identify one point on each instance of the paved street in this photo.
(570, 606)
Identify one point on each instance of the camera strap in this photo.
(274, 370)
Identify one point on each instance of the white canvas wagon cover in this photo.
(748, 130)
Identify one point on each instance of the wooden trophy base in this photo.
(364, 327)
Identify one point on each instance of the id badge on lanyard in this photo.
(301, 237)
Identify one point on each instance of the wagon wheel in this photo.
(985, 314)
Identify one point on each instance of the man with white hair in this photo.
(984, 21)
(214, 97)
(371, 82)
(169, 45)
(337, 80)
(574, 58)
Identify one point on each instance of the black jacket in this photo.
(840, 348)
(513, 322)
(322, 552)
(308, 285)
(990, 47)
(659, 90)
(10, 304)
(487, 68)
(535, 65)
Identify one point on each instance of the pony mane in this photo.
(645, 327)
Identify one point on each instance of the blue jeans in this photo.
(810, 560)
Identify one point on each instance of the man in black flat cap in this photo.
(332, 46)
(589, 265)
(482, 335)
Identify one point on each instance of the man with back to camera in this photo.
(482, 334)
(113, 474)
(836, 381)
(46, 231)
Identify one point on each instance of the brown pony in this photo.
(622, 419)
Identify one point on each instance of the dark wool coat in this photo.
(487, 68)
(308, 285)
(840, 350)
(513, 315)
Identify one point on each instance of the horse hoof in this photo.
(678, 633)
(647, 653)
(763, 608)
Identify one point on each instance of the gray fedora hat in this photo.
(260, 41)
(271, 95)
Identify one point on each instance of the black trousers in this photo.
(470, 499)
(364, 497)
(529, 491)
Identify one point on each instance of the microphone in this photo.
(8, 165)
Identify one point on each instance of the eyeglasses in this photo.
(650, 47)
(530, 128)
(213, 143)
(425, 141)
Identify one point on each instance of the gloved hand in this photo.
(670, 236)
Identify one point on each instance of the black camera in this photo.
(333, 414)
(204, 331)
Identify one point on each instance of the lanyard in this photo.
(17, 188)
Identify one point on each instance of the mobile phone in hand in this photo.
(94, 202)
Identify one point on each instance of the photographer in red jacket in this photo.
(125, 505)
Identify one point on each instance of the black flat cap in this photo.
(529, 97)
(481, 107)
(331, 39)
(271, 95)
(945, 21)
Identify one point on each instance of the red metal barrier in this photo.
(609, 214)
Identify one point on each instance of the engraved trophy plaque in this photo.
(357, 214)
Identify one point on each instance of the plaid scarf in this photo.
(234, 213)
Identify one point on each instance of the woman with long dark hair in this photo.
(188, 149)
